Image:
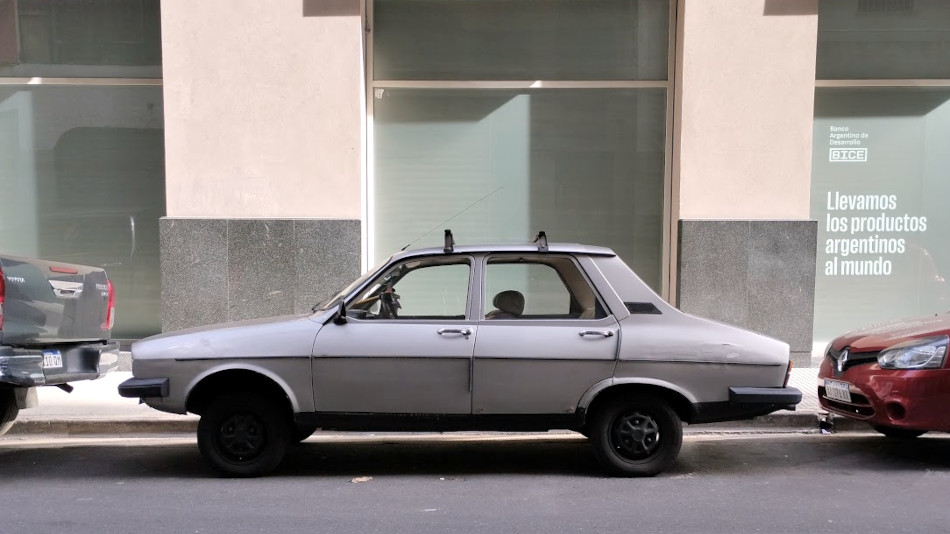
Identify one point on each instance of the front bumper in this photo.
(61, 363)
(912, 399)
(141, 388)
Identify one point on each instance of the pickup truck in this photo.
(55, 324)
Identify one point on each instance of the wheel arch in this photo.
(680, 400)
(230, 378)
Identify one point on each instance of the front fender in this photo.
(251, 367)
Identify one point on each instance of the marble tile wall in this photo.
(217, 270)
(758, 275)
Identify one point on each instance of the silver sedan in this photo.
(526, 338)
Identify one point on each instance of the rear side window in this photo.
(541, 287)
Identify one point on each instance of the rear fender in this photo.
(609, 383)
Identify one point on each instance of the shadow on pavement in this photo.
(720, 456)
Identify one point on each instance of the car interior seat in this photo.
(508, 304)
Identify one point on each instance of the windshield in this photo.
(335, 299)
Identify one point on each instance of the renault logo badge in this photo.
(842, 360)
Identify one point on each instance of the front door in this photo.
(407, 345)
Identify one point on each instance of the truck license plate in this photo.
(837, 390)
(52, 358)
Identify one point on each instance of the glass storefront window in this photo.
(521, 39)
(80, 38)
(82, 181)
(879, 188)
(883, 39)
(460, 142)
(82, 163)
(585, 165)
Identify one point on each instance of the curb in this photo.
(777, 422)
(29, 427)
(787, 421)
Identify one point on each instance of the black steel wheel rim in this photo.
(634, 435)
(241, 437)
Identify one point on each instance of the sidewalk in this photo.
(95, 407)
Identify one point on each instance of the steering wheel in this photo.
(388, 304)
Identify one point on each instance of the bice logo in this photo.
(848, 155)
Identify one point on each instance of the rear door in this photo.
(542, 358)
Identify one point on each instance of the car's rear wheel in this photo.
(244, 435)
(8, 409)
(899, 433)
(637, 436)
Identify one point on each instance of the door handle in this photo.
(461, 331)
(602, 333)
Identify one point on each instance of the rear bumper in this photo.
(57, 364)
(785, 397)
(746, 403)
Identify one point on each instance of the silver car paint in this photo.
(188, 356)
(291, 374)
(542, 370)
(357, 367)
(394, 366)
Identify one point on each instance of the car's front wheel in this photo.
(303, 431)
(244, 435)
(638, 436)
(899, 433)
(8, 409)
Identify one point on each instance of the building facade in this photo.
(776, 164)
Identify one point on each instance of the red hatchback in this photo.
(894, 376)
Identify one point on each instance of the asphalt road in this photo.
(805, 483)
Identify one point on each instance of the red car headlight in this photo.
(923, 353)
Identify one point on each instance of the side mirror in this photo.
(340, 316)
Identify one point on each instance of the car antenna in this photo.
(470, 206)
(542, 241)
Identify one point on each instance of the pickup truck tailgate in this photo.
(50, 302)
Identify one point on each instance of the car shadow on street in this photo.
(98, 461)
(833, 453)
(381, 456)
(440, 457)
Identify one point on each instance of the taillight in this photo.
(110, 308)
(3, 288)
(788, 374)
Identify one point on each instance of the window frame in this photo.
(537, 259)
(431, 260)
(371, 85)
(832, 85)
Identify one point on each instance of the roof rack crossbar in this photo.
(542, 241)
(449, 242)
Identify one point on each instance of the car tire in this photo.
(8, 409)
(637, 436)
(899, 433)
(244, 435)
(304, 431)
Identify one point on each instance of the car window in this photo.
(543, 287)
(435, 288)
(335, 299)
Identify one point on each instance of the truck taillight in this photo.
(3, 288)
(110, 309)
